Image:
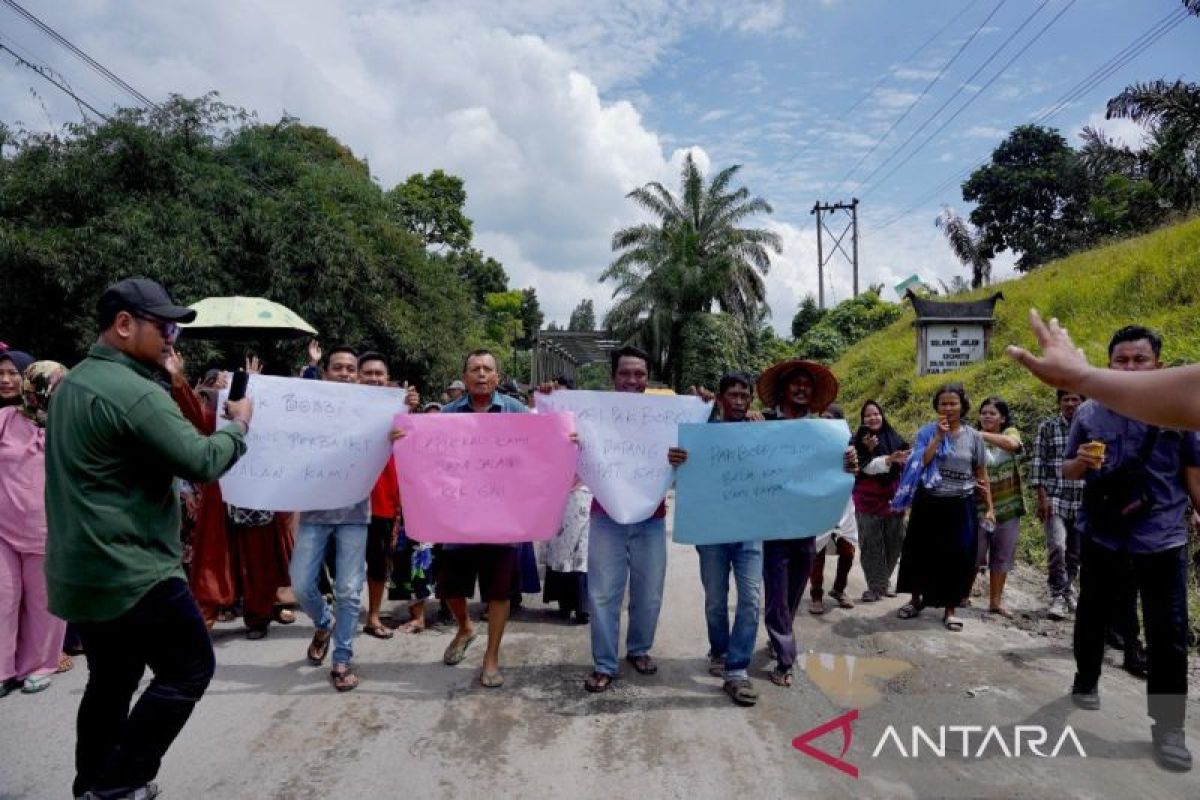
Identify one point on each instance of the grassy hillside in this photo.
(1151, 280)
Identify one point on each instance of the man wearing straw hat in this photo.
(792, 389)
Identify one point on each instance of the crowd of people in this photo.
(96, 463)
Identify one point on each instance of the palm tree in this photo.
(968, 246)
(1171, 112)
(692, 257)
(1101, 156)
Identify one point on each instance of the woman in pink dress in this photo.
(30, 636)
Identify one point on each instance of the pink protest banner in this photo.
(484, 478)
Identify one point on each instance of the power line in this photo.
(975, 96)
(921, 96)
(91, 62)
(1122, 57)
(45, 73)
(961, 88)
(806, 145)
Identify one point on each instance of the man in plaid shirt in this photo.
(1058, 503)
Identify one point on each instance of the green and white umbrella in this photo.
(233, 318)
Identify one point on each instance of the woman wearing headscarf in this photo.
(998, 542)
(13, 364)
(30, 636)
(882, 453)
(949, 462)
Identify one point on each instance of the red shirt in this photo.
(385, 497)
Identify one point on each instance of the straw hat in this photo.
(825, 385)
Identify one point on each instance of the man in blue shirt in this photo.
(495, 566)
(1152, 541)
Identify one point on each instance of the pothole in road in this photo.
(848, 680)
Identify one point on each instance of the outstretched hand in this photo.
(314, 352)
(1062, 364)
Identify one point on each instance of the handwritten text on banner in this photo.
(312, 445)
(625, 438)
(484, 478)
(760, 480)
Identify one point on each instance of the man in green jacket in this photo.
(115, 444)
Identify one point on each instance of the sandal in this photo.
(909, 611)
(65, 663)
(318, 648)
(716, 666)
(1002, 611)
(256, 633)
(283, 615)
(35, 683)
(414, 626)
(597, 682)
(491, 680)
(741, 691)
(343, 678)
(869, 596)
(378, 631)
(226, 615)
(457, 650)
(644, 664)
(842, 600)
(953, 623)
(781, 677)
(816, 607)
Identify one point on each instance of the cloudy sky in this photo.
(552, 110)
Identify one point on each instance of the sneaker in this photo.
(1087, 698)
(1170, 749)
(716, 666)
(1057, 610)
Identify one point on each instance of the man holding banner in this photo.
(347, 527)
(627, 460)
(494, 566)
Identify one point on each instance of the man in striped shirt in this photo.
(1058, 504)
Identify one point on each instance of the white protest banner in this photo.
(624, 438)
(313, 445)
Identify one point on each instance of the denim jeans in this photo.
(618, 554)
(716, 560)
(118, 750)
(351, 569)
(1062, 555)
(1161, 578)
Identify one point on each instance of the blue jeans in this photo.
(618, 554)
(746, 560)
(351, 568)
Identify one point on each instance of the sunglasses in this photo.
(169, 330)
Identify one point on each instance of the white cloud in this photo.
(910, 74)
(894, 98)
(715, 115)
(1124, 131)
(984, 132)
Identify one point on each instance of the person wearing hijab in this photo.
(30, 636)
(882, 453)
(13, 364)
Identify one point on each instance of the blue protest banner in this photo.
(760, 480)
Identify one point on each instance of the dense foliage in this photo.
(205, 199)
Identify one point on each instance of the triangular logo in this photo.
(843, 722)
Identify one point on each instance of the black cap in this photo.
(145, 295)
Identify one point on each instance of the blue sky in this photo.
(552, 110)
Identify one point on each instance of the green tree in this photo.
(694, 256)
(432, 208)
(583, 318)
(483, 274)
(846, 324)
(531, 318)
(1031, 198)
(1171, 113)
(807, 315)
(967, 246)
(712, 345)
(502, 320)
(206, 200)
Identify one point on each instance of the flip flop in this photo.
(781, 677)
(318, 648)
(457, 650)
(597, 682)
(644, 664)
(35, 683)
(378, 631)
(816, 607)
(1002, 611)
(953, 623)
(343, 678)
(491, 680)
(741, 692)
(908, 611)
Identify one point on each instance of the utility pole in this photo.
(821, 210)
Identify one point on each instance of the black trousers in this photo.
(1161, 578)
(118, 750)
